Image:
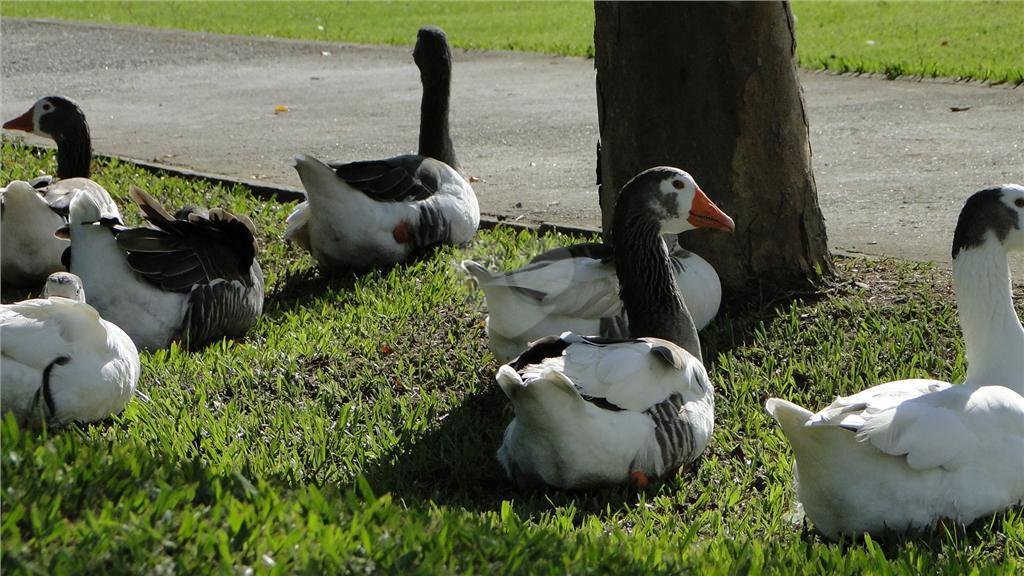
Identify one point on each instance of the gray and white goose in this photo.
(33, 211)
(593, 411)
(192, 279)
(908, 454)
(360, 215)
(62, 362)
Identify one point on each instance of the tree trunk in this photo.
(712, 88)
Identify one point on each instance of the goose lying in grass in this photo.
(193, 279)
(30, 252)
(596, 411)
(360, 215)
(576, 289)
(911, 453)
(61, 362)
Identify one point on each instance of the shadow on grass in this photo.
(455, 465)
(974, 539)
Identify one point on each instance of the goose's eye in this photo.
(47, 107)
(678, 185)
(1019, 202)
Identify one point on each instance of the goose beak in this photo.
(23, 122)
(704, 214)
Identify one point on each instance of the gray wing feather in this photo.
(405, 178)
(222, 309)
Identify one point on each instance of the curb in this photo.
(284, 194)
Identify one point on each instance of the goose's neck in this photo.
(647, 284)
(993, 334)
(74, 151)
(435, 140)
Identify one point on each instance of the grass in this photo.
(977, 40)
(971, 40)
(354, 430)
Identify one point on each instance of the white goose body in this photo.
(361, 215)
(61, 361)
(345, 227)
(151, 316)
(576, 290)
(29, 252)
(911, 453)
(594, 411)
(590, 413)
(194, 279)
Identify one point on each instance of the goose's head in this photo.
(53, 116)
(432, 55)
(65, 285)
(991, 215)
(673, 197)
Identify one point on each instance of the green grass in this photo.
(976, 40)
(354, 430)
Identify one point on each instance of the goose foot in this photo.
(638, 479)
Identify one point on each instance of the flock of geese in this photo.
(604, 366)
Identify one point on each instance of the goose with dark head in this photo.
(376, 213)
(30, 250)
(576, 288)
(62, 121)
(597, 411)
(908, 454)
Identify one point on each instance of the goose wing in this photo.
(932, 423)
(405, 178)
(177, 254)
(615, 374)
(58, 195)
(35, 332)
(565, 285)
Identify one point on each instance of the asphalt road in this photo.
(893, 163)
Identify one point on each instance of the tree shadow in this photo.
(455, 465)
(297, 287)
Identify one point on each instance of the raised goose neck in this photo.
(646, 282)
(74, 149)
(993, 334)
(435, 140)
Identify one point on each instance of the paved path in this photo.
(892, 161)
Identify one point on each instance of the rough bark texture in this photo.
(712, 88)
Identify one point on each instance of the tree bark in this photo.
(711, 87)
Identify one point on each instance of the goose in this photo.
(192, 279)
(62, 362)
(592, 411)
(360, 215)
(63, 121)
(575, 289)
(29, 251)
(908, 454)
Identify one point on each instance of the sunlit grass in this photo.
(354, 429)
(977, 40)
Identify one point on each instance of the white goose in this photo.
(61, 362)
(595, 411)
(29, 251)
(360, 215)
(575, 289)
(194, 278)
(908, 454)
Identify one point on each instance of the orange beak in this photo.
(23, 122)
(704, 214)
